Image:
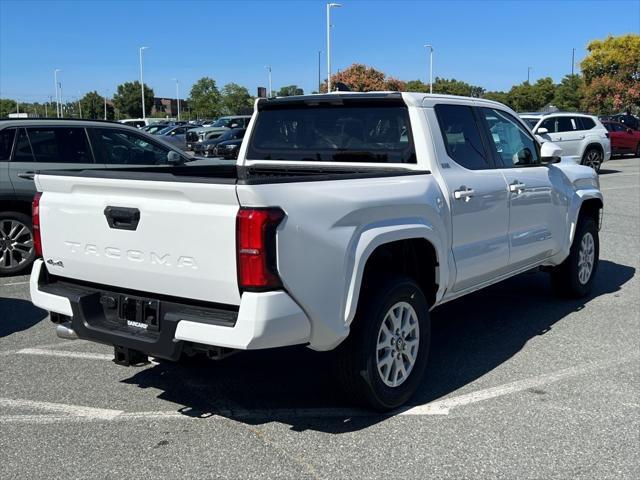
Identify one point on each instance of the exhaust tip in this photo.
(65, 331)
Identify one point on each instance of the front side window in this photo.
(122, 147)
(560, 124)
(586, 123)
(512, 144)
(531, 122)
(370, 132)
(59, 145)
(462, 136)
(6, 143)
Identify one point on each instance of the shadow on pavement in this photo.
(606, 171)
(17, 315)
(471, 336)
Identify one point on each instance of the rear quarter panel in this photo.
(330, 229)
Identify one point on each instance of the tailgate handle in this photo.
(122, 218)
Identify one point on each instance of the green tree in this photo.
(606, 95)
(544, 90)
(93, 106)
(7, 106)
(205, 99)
(235, 99)
(569, 93)
(502, 97)
(417, 86)
(127, 99)
(456, 87)
(614, 57)
(289, 91)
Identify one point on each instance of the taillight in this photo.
(35, 220)
(256, 248)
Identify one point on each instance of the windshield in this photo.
(531, 122)
(376, 133)
(163, 131)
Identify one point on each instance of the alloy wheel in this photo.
(16, 244)
(398, 342)
(593, 159)
(586, 258)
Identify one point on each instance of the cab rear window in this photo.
(379, 133)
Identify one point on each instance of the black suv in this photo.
(29, 145)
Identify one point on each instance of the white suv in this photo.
(582, 137)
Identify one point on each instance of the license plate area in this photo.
(139, 313)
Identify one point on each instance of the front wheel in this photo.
(575, 276)
(382, 362)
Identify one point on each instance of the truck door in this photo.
(478, 198)
(537, 204)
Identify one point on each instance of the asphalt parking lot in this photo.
(521, 384)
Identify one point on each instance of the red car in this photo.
(623, 139)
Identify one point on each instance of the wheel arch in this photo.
(20, 206)
(400, 249)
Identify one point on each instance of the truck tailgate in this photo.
(183, 243)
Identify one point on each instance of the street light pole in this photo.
(178, 97)
(105, 105)
(430, 67)
(55, 85)
(270, 89)
(319, 78)
(573, 59)
(528, 73)
(144, 114)
(329, 6)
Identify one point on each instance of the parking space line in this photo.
(619, 188)
(73, 410)
(443, 406)
(13, 283)
(62, 353)
(75, 413)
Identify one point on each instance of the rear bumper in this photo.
(263, 320)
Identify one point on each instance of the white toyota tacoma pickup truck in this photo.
(345, 220)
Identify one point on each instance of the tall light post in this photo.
(105, 104)
(528, 73)
(55, 85)
(144, 113)
(329, 7)
(268, 68)
(573, 59)
(178, 96)
(319, 78)
(430, 67)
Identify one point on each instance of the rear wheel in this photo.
(575, 276)
(638, 150)
(593, 158)
(16, 243)
(382, 362)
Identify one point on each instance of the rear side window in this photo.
(586, 123)
(6, 143)
(461, 136)
(59, 145)
(370, 132)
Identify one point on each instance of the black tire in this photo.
(356, 357)
(565, 277)
(638, 151)
(593, 158)
(15, 258)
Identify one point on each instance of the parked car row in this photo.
(623, 139)
(214, 130)
(214, 147)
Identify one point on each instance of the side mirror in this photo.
(234, 125)
(173, 158)
(550, 153)
(542, 131)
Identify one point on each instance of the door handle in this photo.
(26, 175)
(122, 218)
(463, 193)
(516, 187)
